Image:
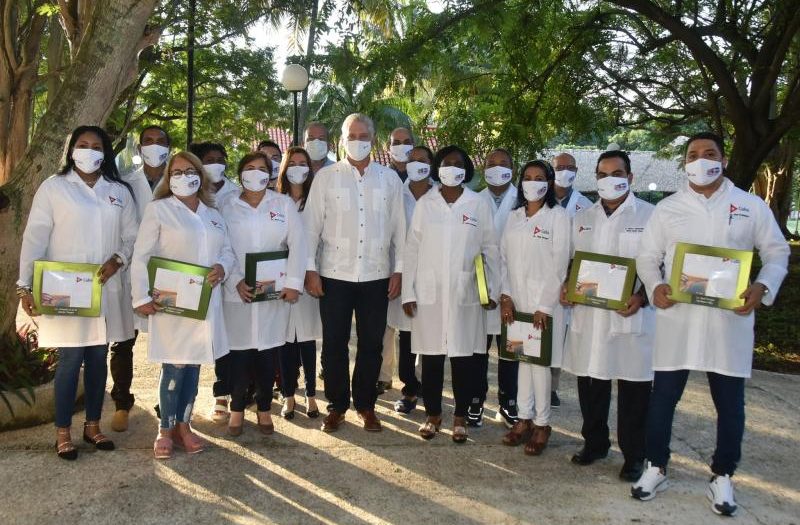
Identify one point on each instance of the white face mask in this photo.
(255, 180)
(497, 175)
(565, 178)
(154, 155)
(276, 170)
(358, 149)
(297, 174)
(184, 185)
(418, 171)
(87, 160)
(215, 171)
(399, 152)
(451, 175)
(534, 190)
(317, 149)
(612, 188)
(703, 172)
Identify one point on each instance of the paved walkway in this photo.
(301, 475)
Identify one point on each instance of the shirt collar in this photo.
(565, 201)
(629, 202)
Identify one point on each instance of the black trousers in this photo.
(121, 366)
(369, 301)
(222, 374)
(506, 376)
(290, 357)
(463, 372)
(248, 366)
(633, 398)
(406, 366)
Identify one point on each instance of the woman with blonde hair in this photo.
(182, 224)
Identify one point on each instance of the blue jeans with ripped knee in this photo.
(177, 391)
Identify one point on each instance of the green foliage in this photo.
(22, 367)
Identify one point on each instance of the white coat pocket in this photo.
(629, 244)
(425, 287)
(468, 289)
(627, 325)
(341, 198)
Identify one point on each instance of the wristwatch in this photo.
(22, 291)
(766, 288)
(118, 259)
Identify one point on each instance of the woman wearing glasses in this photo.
(182, 224)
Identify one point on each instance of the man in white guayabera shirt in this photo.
(710, 211)
(355, 217)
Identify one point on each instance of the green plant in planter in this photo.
(23, 366)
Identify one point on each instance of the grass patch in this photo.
(777, 330)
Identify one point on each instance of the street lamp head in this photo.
(294, 78)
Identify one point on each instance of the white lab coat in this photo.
(534, 256)
(170, 229)
(357, 220)
(273, 226)
(141, 190)
(226, 193)
(500, 216)
(439, 273)
(396, 317)
(304, 320)
(577, 201)
(693, 337)
(601, 343)
(71, 222)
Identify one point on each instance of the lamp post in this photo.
(295, 80)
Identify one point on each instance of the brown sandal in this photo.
(99, 440)
(459, 430)
(520, 432)
(162, 446)
(431, 426)
(538, 442)
(265, 428)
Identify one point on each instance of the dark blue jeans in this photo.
(728, 395)
(65, 385)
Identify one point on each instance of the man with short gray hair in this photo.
(355, 216)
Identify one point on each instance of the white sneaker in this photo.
(720, 494)
(651, 482)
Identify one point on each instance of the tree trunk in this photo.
(91, 84)
(312, 41)
(774, 181)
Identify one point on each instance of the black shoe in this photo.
(631, 471)
(404, 405)
(555, 401)
(507, 414)
(475, 414)
(383, 386)
(585, 457)
(158, 411)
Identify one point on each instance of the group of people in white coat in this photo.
(369, 242)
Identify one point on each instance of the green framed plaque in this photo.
(520, 341)
(709, 276)
(483, 283)
(602, 281)
(179, 288)
(63, 288)
(266, 273)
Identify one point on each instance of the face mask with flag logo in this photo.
(184, 185)
(297, 174)
(317, 149)
(215, 171)
(87, 160)
(255, 180)
(399, 152)
(154, 155)
(451, 175)
(358, 150)
(497, 175)
(276, 169)
(612, 188)
(418, 171)
(703, 172)
(565, 178)
(534, 190)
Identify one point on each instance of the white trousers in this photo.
(533, 393)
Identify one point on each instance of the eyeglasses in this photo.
(562, 167)
(180, 173)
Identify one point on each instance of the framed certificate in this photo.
(483, 283)
(521, 341)
(62, 288)
(709, 276)
(179, 288)
(266, 273)
(603, 281)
